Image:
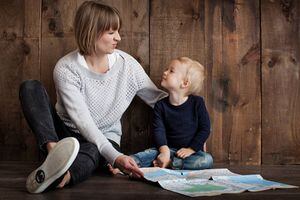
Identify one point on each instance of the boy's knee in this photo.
(209, 161)
(202, 161)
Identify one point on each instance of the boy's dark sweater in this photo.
(186, 125)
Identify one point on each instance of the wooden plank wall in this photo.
(249, 48)
(233, 80)
(280, 82)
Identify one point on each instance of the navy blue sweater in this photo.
(186, 125)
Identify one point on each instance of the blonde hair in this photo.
(90, 21)
(195, 75)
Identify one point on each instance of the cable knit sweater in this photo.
(92, 104)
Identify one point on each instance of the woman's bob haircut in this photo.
(91, 20)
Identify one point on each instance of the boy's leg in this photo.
(145, 158)
(177, 163)
(197, 161)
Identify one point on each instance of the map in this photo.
(209, 182)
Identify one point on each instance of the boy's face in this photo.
(174, 76)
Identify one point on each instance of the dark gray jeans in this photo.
(48, 127)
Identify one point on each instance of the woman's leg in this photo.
(40, 114)
(48, 129)
(145, 158)
(87, 161)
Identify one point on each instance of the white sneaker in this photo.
(58, 161)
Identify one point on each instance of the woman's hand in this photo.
(184, 152)
(127, 165)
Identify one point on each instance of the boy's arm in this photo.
(159, 130)
(203, 129)
(160, 139)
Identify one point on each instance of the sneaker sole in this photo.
(58, 161)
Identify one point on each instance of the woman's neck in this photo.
(97, 63)
(177, 99)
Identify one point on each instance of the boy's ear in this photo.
(185, 84)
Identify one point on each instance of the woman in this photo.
(94, 84)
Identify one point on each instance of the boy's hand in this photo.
(184, 152)
(163, 160)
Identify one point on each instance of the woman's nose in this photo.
(117, 37)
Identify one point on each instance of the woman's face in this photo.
(108, 41)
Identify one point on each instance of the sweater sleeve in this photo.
(159, 130)
(146, 89)
(67, 83)
(203, 127)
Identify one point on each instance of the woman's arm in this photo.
(146, 89)
(67, 84)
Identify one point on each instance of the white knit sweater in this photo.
(92, 104)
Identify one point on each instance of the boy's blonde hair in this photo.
(91, 20)
(195, 75)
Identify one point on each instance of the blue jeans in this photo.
(196, 161)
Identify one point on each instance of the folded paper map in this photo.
(209, 182)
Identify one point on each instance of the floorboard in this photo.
(104, 186)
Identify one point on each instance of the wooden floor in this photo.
(102, 186)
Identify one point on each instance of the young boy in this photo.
(181, 123)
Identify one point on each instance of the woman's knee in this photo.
(29, 86)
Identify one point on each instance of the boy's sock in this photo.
(57, 163)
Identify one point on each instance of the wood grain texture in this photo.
(250, 50)
(280, 82)
(233, 63)
(57, 38)
(176, 29)
(19, 61)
